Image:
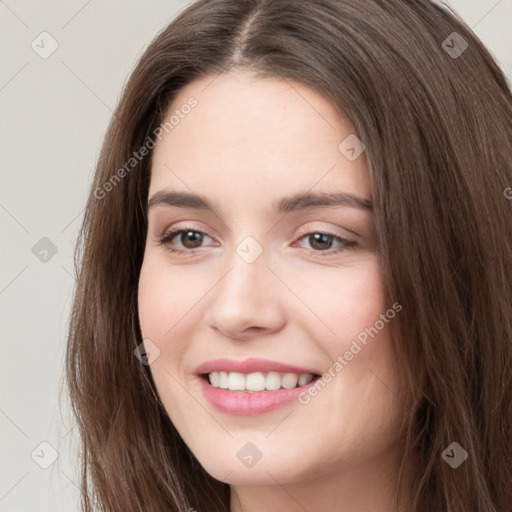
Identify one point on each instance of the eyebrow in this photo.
(296, 202)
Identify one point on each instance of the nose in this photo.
(246, 300)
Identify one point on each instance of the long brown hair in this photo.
(435, 114)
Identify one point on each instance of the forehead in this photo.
(254, 138)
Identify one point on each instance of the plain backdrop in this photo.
(54, 113)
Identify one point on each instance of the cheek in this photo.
(355, 322)
(153, 301)
(343, 301)
(159, 310)
(165, 303)
(361, 318)
(165, 306)
(358, 300)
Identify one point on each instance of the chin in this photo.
(239, 469)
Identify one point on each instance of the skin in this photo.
(247, 143)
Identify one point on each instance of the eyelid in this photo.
(308, 229)
(175, 231)
(169, 234)
(346, 244)
(184, 226)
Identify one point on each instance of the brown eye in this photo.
(321, 243)
(189, 240)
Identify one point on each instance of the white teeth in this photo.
(214, 379)
(255, 382)
(223, 380)
(273, 381)
(236, 381)
(305, 378)
(289, 380)
(258, 381)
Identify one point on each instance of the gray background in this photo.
(54, 113)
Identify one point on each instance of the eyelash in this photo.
(166, 239)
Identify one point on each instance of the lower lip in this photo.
(244, 403)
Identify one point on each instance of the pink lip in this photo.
(242, 402)
(249, 366)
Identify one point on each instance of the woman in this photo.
(294, 272)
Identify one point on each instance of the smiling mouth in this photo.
(258, 381)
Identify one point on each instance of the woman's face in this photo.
(265, 289)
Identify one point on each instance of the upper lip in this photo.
(250, 365)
